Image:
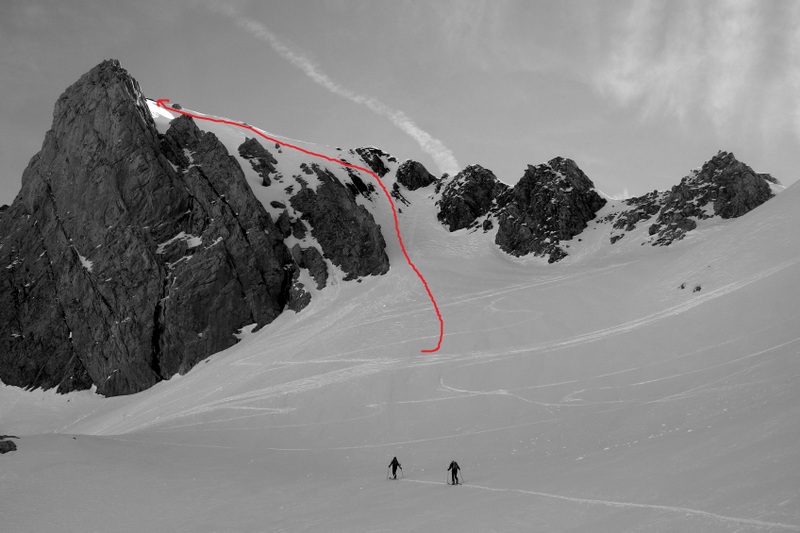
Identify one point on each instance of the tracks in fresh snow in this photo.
(631, 505)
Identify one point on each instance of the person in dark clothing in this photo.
(454, 468)
(395, 464)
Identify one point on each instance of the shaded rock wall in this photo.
(552, 202)
(127, 257)
(470, 195)
(413, 175)
(346, 231)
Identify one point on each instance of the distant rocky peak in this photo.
(722, 187)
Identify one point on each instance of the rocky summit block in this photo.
(128, 256)
(552, 202)
(471, 194)
(413, 175)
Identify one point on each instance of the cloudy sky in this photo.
(636, 92)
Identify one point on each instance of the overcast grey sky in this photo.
(636, 92)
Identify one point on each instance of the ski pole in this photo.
(402, 473)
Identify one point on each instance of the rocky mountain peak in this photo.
(550, 203)
(413, 175)
(108, 94)
(471, 194)
(722, 187)
(131, 256)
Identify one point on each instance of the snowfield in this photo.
(593, 395)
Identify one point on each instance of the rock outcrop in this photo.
(413, 175)
(346, 231)
(7, 445)
(373, 157)
(311, 259)
(129, 257)
(471, 194)
(262, 161)
(552, 202)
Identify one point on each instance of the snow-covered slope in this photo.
(594, 395)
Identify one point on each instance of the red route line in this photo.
(162, 103)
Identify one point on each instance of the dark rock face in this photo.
(120, 268)
(346, 231)
(373, 158)
(413, 175)
(242, 271)
(262, 161)
(357, 185)
(723, 187)
(470, 195)
(739, 189)
(642, 208)
(552, 202)
(284, 224)
(7, 445)
(311, 260)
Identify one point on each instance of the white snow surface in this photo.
(592, 395)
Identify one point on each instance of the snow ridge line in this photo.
(631, 505)
(161, 102)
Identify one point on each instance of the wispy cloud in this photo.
(730, 62)
(442, 156)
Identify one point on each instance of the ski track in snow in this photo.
(631, 505)
(344, 375)
(367, 367)
(485, 356)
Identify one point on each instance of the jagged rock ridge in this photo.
(552, 202)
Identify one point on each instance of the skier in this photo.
(395, 464)
(454, 468)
